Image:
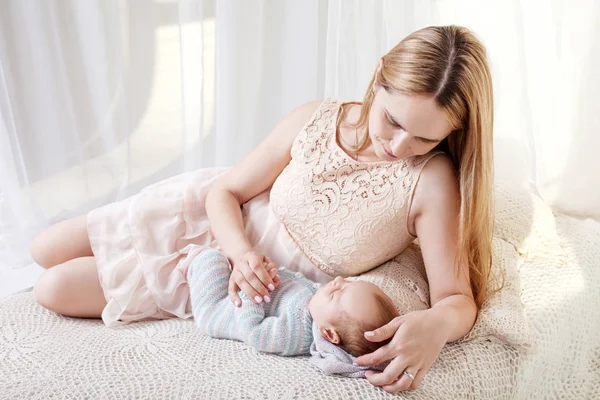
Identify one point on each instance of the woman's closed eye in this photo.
(426, 141)
(394, 124)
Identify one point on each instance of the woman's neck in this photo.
(349, 134)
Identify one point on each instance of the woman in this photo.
(351, 185)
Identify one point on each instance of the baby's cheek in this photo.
(310, 304)
(315, 307)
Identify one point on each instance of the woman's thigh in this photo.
(72, 288)
(63, 241)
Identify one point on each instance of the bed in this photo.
(538, 338)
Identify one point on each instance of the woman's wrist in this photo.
(240, 253)
(225, 218)
(453, 317)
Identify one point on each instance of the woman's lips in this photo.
(388, 153)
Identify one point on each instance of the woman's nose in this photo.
(400, 143)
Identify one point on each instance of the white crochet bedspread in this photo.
(43, 355)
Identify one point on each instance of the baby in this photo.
(339, 311)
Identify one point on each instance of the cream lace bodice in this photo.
(347, 216)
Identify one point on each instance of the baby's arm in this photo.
(217, 317)
(282, 334)
(208, 278)
(288, 329)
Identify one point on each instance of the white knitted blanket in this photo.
(44, 356)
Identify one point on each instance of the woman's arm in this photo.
(252, 176)
(419, 336)
(437, 205)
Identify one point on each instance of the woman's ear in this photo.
(330, 335)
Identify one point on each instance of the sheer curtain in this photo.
(545, 61)
(101, 98)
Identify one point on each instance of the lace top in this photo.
(347, 216)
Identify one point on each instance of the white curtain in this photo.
(100, 98)
(545, 61)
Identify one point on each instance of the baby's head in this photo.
(344, 310)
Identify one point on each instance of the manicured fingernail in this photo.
(267, 299)
(258, 299)
(237, 303)
(271, 287)
(355, 364)
(370, 333)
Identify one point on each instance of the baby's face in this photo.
(356, 298)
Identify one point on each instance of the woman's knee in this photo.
(72, 289)
(49, 289)
(41, 252)
(63, 241)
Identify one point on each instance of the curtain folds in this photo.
(99, 99)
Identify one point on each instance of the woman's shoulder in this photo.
(304, 112)
(312, 110)
(439, 166)
(308, 120)
(438, 173)
(300, 117)
(308, 107)
(438, 182)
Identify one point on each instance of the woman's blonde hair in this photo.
(448, 63)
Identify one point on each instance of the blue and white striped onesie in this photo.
(283, 326)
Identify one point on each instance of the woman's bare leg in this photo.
(63, 241)
(72, 288)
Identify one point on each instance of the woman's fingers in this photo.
(258, 289)
(418, 378)
(233, 292)
(393, 379)
(263, 282)
(255, 275)
(404, 382)
(238, 282)
(384, 353)
(275, 277)
(272, 269)
(385, 332)
(389, 375)
(269, 263)
(249, 290)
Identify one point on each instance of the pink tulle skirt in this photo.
(143, 246)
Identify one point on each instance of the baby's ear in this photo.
(330, 335)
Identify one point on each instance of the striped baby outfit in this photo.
(283, 326)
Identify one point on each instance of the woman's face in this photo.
(402, 126)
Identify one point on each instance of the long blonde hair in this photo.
(448, 63)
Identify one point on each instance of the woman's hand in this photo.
(416, 344)
(253, 274)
